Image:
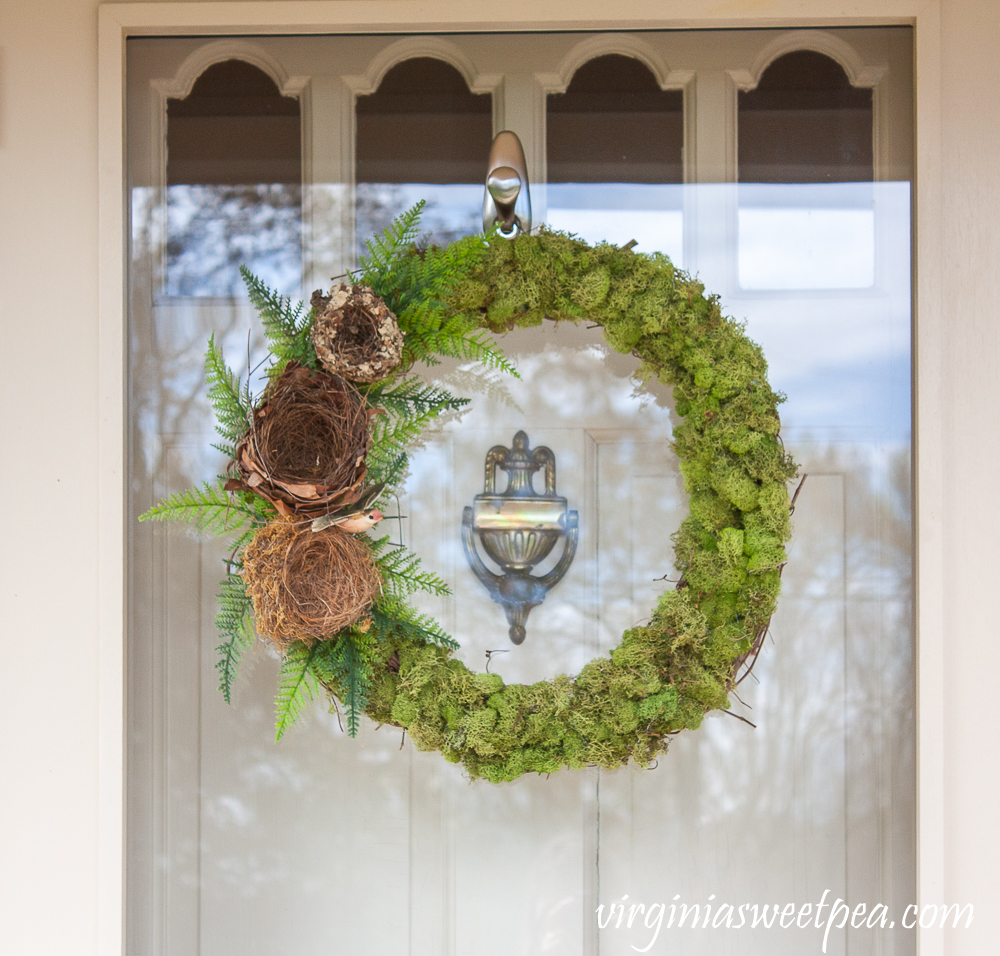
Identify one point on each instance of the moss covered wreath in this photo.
(325, 445)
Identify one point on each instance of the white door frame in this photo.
(119, 21)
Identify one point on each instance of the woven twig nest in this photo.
(307, 586)
(305, 450)
(356, 335)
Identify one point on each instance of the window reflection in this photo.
(805, 236)
(422, 135)
(234, 184)
(616, 131)
(805, 125)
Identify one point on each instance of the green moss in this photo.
(665, 676)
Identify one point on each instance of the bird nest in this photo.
(306, 446)
(307, 586)
(356, 335)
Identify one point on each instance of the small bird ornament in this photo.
(356, 517)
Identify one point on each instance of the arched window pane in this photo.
(805, 123)
(615, 125)
(614, 145)
(422, 134)
(807, 127)
(234, 184)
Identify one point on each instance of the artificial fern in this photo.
(230, 400)
(401, 574)
(410, 407)
(208, 507)
(234, 622)
(415, 285)
(288, 328)
(346, 666)
(380, 268)
(296, 686)
(394, 619)
(414, 397)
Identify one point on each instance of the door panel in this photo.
(326, 844)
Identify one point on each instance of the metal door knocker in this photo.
(518, 529)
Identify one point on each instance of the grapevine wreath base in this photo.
(397, 666)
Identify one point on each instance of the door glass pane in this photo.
(614, 145)
(422, 135)
(234, 184)
(320, 843)
(805, 123)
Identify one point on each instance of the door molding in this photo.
(119, 21)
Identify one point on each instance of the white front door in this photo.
(324, 844)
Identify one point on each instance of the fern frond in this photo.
(230, 400)
(208, 507)
(383, 251)
(296, 686)
(234, 622)
(387, 468)
(412, 396)
(345, 667)
(402, 576)
(241, 542)
(391, 618)
(288, 328)
(410, 406)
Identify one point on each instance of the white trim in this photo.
(622, 43)
(409, 48)
(111, 594)
(819, 42)
(118, 21)
(181, 84)
(930, 504)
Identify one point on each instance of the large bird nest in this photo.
(307, 586)
(305, 448)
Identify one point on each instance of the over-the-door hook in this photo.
(507, 200)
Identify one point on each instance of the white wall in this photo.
(48, 476)
(49, 465)
(971, 262)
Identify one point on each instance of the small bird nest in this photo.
(356, 335)
(307, 586)
(306, 446)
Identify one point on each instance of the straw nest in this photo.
(356, 335)
(307, 586)
(306, 445)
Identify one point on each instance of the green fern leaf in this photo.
(208, 507)
(296, 686)
(392, 618)
(230, 400)
(288, 328)
(412, 396)
(234, 622)
(410, 405)
(402, 576)
(345, 667)
(383, 251)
